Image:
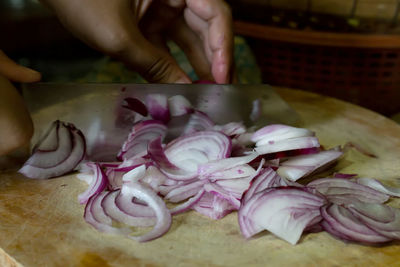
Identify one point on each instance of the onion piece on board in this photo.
(163, 223)
(65, 166)
(283, 211)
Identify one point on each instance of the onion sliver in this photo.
(179, 105)
(278, 132)
(95, 216)
(64, 166)
(284, 211)
(288, 145)
(381, 218)
(118, 213)
(301, 166)
(136, 105)
(343, 191)
(204, 170)
(378, 186)
(157, 105)
(156, 203)
(97, 184)
(43, 156)
(198, 121)
(141, 134)
(341, 223)
(213, 206)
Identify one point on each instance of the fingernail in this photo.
(183, 80)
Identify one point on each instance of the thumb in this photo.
(15, 72)
(153, 63)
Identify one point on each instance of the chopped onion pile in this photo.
(215, 170)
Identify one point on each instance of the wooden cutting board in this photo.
(41, 222)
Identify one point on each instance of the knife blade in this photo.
(96, 109)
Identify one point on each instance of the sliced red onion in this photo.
(236, 186)
(304, 165)
(50, 139)
(343, 191)
(185, 191)
(97, 184)
(238, 172)
(136, 105)
(48, 159)
(266, 178)
(340, 222)
(134, 175)
(187, 205)
(157, 105)
(221, 192)
(288, 145)
(133, 206)
(198, 121)
(154, 178)
(213, 206)
(163, 215)
(284, 211)
(139, 137)
(244, 139)
(231, 129)
(181, 157)
(95, 216)
(208, 169)
(179, 105)
(119, 214)
(278, 132)
(378, 186)
(381, 218)
(75, 156)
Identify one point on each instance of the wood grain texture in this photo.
(41, 221)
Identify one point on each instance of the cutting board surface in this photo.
(42, 222)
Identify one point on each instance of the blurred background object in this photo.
(348, 49)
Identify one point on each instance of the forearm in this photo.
(16, 126)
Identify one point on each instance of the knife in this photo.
(96, 109)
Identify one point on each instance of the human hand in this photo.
(16, 127)
(136, 31)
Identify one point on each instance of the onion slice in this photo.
(343, 191)
(381, 218)
(301, 166)
(284, 211)
(97, 184)
(378, 186)
(179, 105)
(141, 134)
(136, 105)
(163, 215)
(65, 166)
(340, 222)
(157, 105)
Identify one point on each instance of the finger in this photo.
(200, 27)
(218, 15)
(16, 126)
(154, 64)
(15, 72)
(192, 46)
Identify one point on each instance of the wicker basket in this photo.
(362, 69)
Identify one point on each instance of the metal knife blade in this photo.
(97, 110)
